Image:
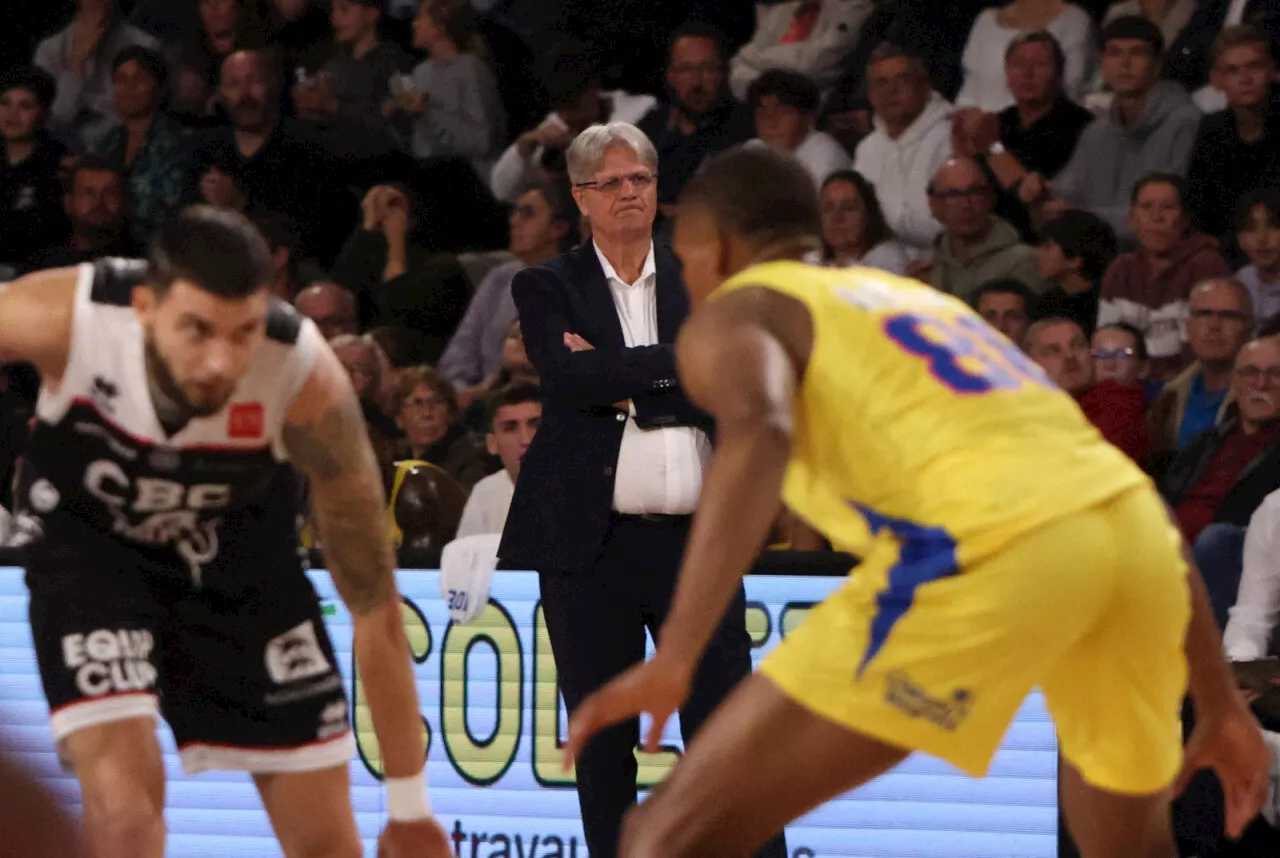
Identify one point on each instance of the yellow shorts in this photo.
(1093, 608)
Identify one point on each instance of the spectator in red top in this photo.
(1149, 287)
(1060, 347)
(1225, 472)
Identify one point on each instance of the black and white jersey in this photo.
(101, 474)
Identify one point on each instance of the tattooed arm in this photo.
(326, 439)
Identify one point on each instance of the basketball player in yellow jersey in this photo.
(1004, 544)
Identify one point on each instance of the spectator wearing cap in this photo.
(975, 246)
(149, 146)
(1149, 287)
(1237, 150)
(31, 210)
(1219, 323)
(513, 416)
(699, 115)
(1006, 305)
(398, 280)
(79, 58)
(571, 78)
(785, 106)
(94, 201)
(356, 81)
(809, 36)
(1075, 249)
(986, 79)
(452, 96)
(1150, 126)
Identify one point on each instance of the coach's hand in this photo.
(1229, 741)
(658, 687)
(422, 839)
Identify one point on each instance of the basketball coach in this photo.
(607, 489)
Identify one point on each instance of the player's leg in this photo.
(723, 797)
(311, 812)
(1112, 825)
(1116, 695)
(121, 775)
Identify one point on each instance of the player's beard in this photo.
(171, 403)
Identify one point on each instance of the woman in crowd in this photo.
(854, 231)
(426, 410)
(149, 146)
(1149, 287)
(453, 95)
(985, 82)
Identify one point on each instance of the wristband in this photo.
(407, 798)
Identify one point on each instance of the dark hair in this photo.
(279, 230)
(1270, 327)
(756, 193)
(1005, 286)
(1239, 36)
(217, 250)
(458, 19)
(90, 163)
(34, 80)
(1139, 338)
(1160, 177)
(1133, 27)
(1039, 37)
(1269, 198)
(698, 30)
(892, 51)
(877, 228)
(791, 88)
(152, 62)
(563, 209)
(1083, 236)
(516, 393)
(569, 72)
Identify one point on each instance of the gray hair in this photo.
(588, 148)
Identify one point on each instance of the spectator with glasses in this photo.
(426, 410)
(1219, 323)
(854, 231)
(1119, 354)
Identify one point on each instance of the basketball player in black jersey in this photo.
(164, 569)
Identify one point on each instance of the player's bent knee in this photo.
(121, 776)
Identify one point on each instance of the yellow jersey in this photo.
(914, 413)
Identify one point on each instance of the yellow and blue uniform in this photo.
(1005, 544)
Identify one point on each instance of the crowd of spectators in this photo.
(1101, 181)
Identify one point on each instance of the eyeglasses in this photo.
(639, 181)
(1220, 315)
(1113, 354)
(1253, 373)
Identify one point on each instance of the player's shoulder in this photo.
(284, 323)
(114, 280)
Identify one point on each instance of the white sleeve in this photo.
(472, 522)
(1253, 617)
(1076, 38)
(511, 172)
(970, 94)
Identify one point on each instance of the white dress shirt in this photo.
(486, 509)
(659, 471)
(1253, 616)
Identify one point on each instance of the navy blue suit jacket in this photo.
(559, 515)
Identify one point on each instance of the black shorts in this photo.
(248, 681)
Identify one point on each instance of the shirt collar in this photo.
(649, 268)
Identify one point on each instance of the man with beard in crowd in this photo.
(95, 203)
(700, 116)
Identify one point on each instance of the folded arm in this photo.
(593, 377)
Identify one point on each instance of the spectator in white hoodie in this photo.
(911, 140)
(812, 37)
(785, 106)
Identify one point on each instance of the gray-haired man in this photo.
(607, 489)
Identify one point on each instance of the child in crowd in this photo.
(1258, 234)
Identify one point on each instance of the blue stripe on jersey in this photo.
(924, 554)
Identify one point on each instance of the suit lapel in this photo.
(599, 299)
(673, 301)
